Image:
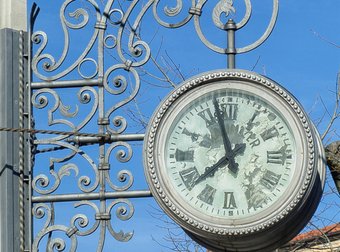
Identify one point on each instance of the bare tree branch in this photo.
(324, 39)
(336, 112)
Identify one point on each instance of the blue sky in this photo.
(298, 55)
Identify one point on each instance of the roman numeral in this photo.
(280, 156)
(270, 180)
(184, 156)
(207, 195)
(207, 116)
(250, 123)
(189, 176)
(269, 133)
(229, 200)
(229, 111)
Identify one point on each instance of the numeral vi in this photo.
(229, 200)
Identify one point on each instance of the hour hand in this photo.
(210, 171)
(225, 160)
(239, 149)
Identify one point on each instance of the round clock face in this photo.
(229, 153)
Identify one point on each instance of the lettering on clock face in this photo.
(251, 175)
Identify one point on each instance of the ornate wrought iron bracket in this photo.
(93, 101)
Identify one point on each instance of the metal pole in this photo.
(14, 214)
(231, 49)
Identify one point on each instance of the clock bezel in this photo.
(194, 221)
(166, 126)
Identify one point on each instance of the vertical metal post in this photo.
(231, 49)
(9, 142)
(14, 214)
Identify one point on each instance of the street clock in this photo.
(232, 157)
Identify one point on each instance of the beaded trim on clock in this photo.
(216, 76)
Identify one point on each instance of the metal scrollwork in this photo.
(123, 156)
(124, 213)
(49, 63)
(136, 47)
(224, 6)
(82, 220)
(88, 76)
(82, 95)
(172, 12)
(58, 244)
(41, 181)
(40, 100)
(119, 85)
(266, 34)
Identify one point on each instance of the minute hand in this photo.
(233, 166)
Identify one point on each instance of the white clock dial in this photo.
(234, 176)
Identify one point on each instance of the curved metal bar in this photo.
(200, 33)
(102, 236)
(82, 220)
(123, 176)
(267, 32)
(171, 12)
(120, 121)
(123, 213)
(40, 211)
(83, 181)
(40, 101)
(247, 16)
(44, 181)
(133, 47)
(56, 243)
(225, 7)
(52, 65)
